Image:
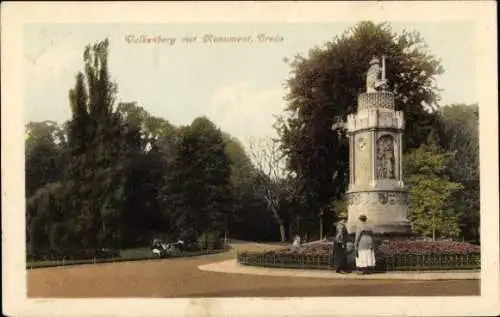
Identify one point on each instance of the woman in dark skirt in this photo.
(339, 246)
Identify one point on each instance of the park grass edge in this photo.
(59, 263)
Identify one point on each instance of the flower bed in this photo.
(390, 247)
(393, 254)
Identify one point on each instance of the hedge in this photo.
(406, 262)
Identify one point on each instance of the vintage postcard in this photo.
(250, 158)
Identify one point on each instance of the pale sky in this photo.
(238, 86)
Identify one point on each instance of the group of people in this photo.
(364, 247)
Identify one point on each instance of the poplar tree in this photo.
(100, 146)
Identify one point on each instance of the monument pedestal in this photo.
(386, 211)
(376, 187)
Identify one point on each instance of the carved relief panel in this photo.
(383, 198)
(385, 166)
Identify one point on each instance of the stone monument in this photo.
(376, 187)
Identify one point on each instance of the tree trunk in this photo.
(225, 231)
(321, 228)
(298, 229)
(321, 224)
(101, 243)
(281, 222)
(433, 226)
(290, 231)
(282, 232)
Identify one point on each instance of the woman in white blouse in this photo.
(365, 248)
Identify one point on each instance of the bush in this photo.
(210, 240)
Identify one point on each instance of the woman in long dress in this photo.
(365, 248)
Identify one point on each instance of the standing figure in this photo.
(375, 77)
(389, 159)
(385, 157)
(296, 243)
(339, 246)
(381, 168)
(365, 248)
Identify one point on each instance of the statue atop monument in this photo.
(375, 78)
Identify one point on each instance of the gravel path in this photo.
(233, 267)
(182, 278)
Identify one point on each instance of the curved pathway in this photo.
(232, 266)
(182, 277)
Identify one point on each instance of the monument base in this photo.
(386, 211)
(394, 228)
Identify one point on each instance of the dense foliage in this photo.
(115, 176)
(197, 191)
(460, 135)
(323, 89)
(432, 213)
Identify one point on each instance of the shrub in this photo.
(210, 240)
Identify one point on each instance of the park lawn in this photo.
(135, 254)
(141, 253)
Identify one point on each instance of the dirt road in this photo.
(182, 278)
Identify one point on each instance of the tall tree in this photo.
(460, 135)
(198, 190)
(144, 217)
(45, 154)
(244, 200)
(101, 148)
(432, 212)
(79, 127)
(323, 89)
(46, 159)
(242, 167)
(270, 177)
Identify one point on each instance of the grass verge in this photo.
(137, 254)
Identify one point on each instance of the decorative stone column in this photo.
(376, 186)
